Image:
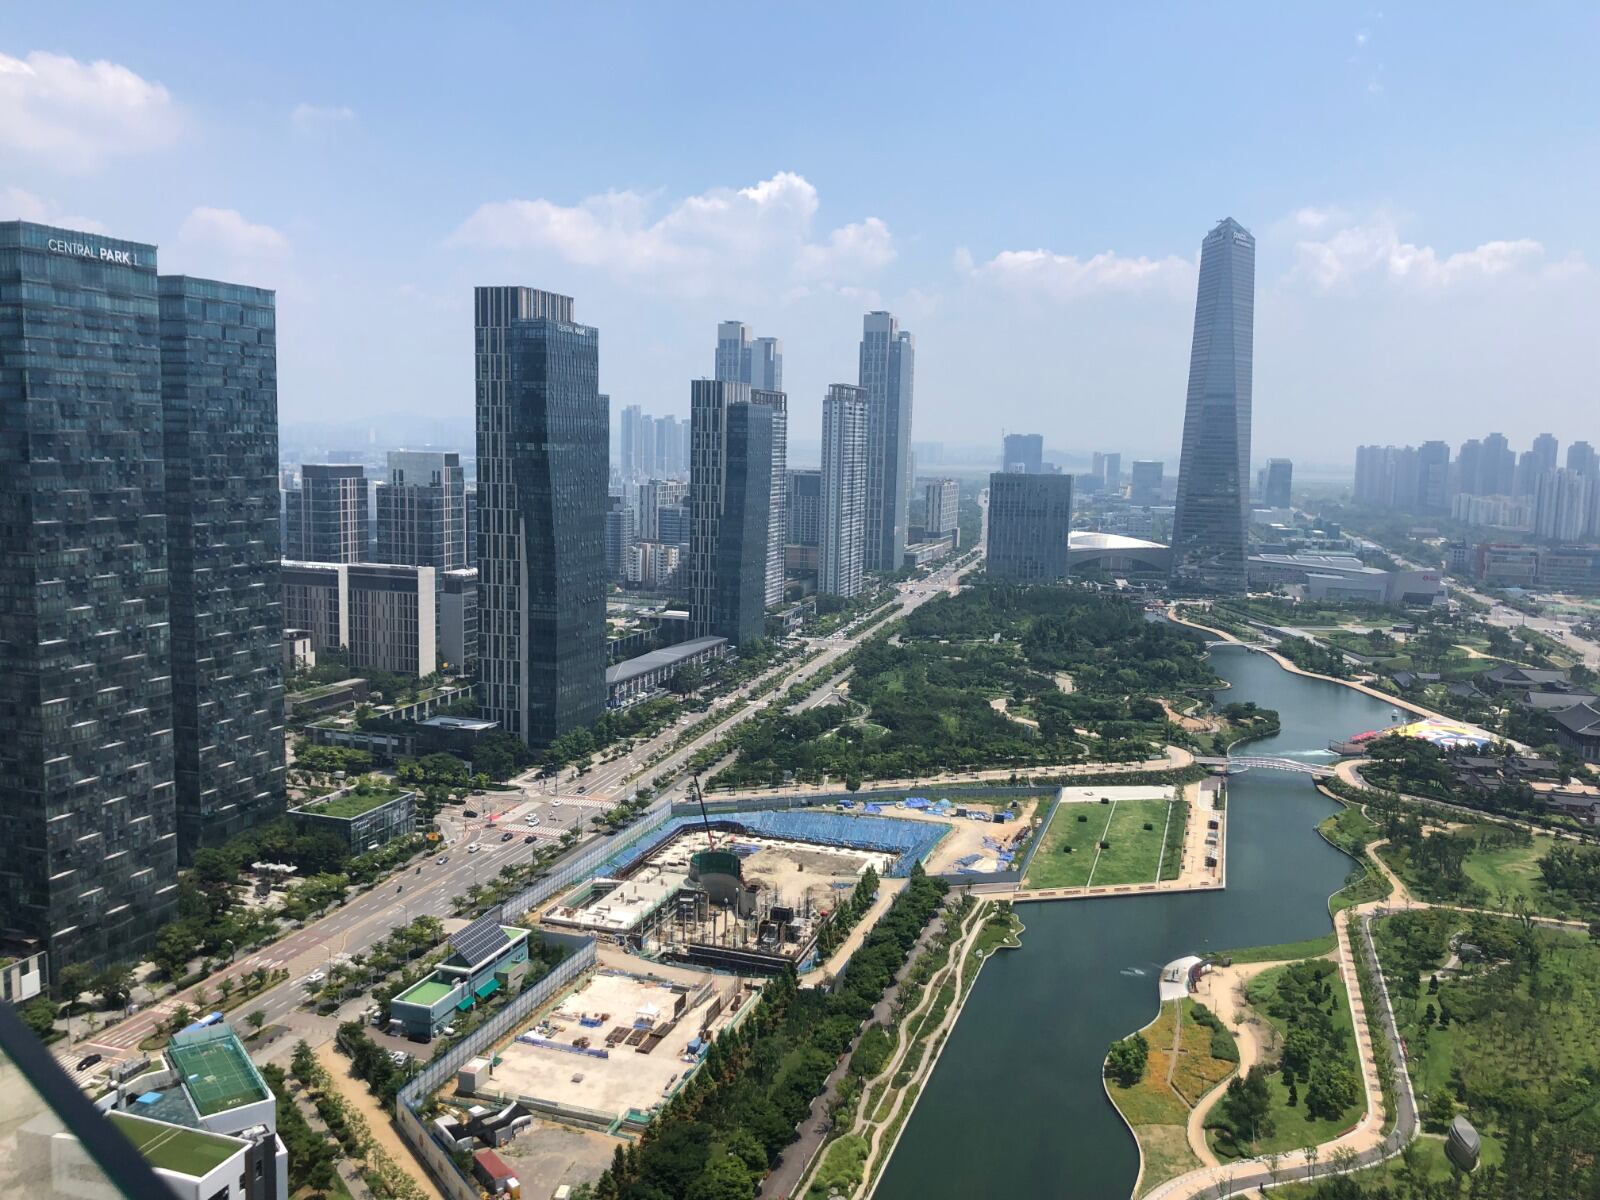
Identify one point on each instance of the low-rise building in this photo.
(1345, 577)
(1578, 730)
(485, 957)
(383, 614)
(637, 677)
(364, 816)
(22, 977)
(299, 652)
(1117, 556)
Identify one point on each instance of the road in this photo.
(430, 888)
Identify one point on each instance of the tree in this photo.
(226, 988)
(256, 1019)
(1127, 1059)
(1246, 1106)
(181, 1017)
(1334, 1088)
(114, 984)
(724, 1178)
(39, 1014)
(72, 981)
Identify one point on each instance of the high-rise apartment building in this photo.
(653, 497)
(840, 559)
(88, 818)
(219, 392)
(803, 502)
(622, 530)
(1498, 472)
(1544, 451)
(888, 360)
(543, 445)
(1277, 483)
(941, 506)
(766, 364)
(1433, 477)
(422, 510)
(1030, 523)
(1022, 453)
(1582, 459)
(1563, 506)
(730, 500)
(1208, 532)
(1144, 481)
(326, 516)
(1106, 468)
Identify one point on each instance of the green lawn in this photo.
(1133, 855)
(1294, 1127)
(1429, 1161)
(1505, 873)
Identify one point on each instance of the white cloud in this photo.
(717, 241)
(320, 118)
(1067, 277)
(223, 233)
(1375, 249)
(18, 205)
(75, 115)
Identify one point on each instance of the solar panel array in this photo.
(479, 940)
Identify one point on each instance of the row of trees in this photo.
(719, 1136)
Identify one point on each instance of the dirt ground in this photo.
(549, 1155)
(377, 1117)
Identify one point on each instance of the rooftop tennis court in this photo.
(215, 1069)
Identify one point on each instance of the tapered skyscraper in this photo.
(543, 439)
(1208, 529)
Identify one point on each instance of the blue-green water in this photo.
(1015, 1106)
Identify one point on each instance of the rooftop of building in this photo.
(363, 797)
(1085, 539)
(475, 724)
(215, 1070)
(1343, 564)
(190, 1152)
(669, 656)
(426, 992)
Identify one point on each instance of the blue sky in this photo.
(1026, 187)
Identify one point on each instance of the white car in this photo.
(555, 804)
(315, 977)
(472, 849)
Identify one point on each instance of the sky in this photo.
(1026, 187)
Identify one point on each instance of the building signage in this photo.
(121, 258)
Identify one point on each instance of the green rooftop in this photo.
(174, 1148)
(426, 993)
(215, 1070)
(347, 805)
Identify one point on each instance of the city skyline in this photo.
(790, 234)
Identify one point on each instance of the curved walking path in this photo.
(1223, 992)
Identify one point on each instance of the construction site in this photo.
(716, 894)
(611, 1052)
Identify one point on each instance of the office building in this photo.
(759, 364)
(803, 504)
(472, 524)
(1107, 470)
(88, 864)
(777, 489)
(1022, 453)
(1276, 481)
(842, 550)
(458, 619)
(739, 359)
(941, 506)
(422, 511)
(622, 530)
(326, 516)
(219, 393)
(653, 497)
(730, 499)
(1208, 530)
(382, 615)
(1144, 482)
(1030, 520)
(1563, 506)
(766, 364)
(543, 438)
(888, 358)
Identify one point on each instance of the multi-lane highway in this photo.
(558, 804)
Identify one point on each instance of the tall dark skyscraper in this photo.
(326, 516)
(1208, 531)
(88, 819)
(888, 361)
(730, 501)
(1030, 521)
(219, 390)
(1144, 481)
(1022, 453)
(543, 445)
(804, 501)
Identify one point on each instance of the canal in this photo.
(1015, 1106)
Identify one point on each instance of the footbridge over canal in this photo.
(1240, 762)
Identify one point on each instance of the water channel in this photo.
(1015, 1106)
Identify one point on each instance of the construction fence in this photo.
(440, 1165)
(588, 862)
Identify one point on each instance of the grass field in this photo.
(1505, 873)
(1294, 1127)
(1133, 854)
(1431, 1164)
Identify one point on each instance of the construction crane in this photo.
(694, 784)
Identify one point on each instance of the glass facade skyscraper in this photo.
(888, 360)
(325, 518)
(422, 510)
(1030, 520)
(219, 390)
(88, 821)
(1208, 531)
(733, 436)
(543, 445)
